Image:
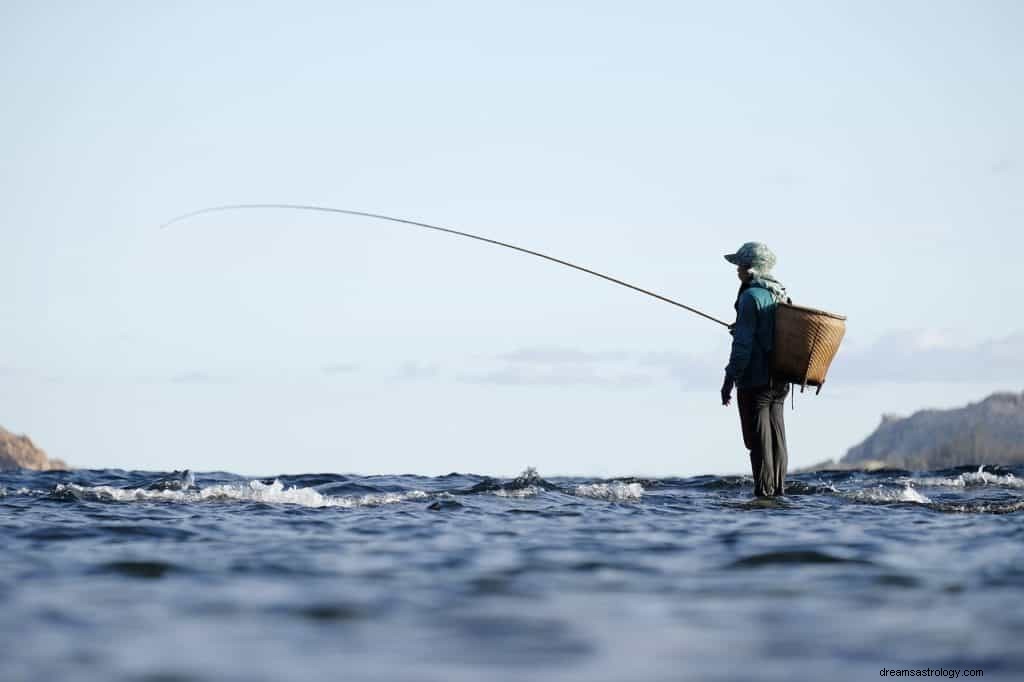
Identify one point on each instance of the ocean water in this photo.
(130, 575)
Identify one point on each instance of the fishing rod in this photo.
(378, 216)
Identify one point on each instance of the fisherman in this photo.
(760, 400)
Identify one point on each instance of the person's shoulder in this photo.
(759, 295)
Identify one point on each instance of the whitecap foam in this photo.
(253, 491)
(616, 491)
(991, 508)
(880, 494)
(975, 478)
(528, 491)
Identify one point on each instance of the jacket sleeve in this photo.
(742, 337)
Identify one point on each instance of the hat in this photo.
(753, 255)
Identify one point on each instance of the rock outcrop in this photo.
(19, 452)
(987, 432)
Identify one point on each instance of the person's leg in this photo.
(780, 453)
(747, 404)
(764, 481)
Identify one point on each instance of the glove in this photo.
(727, 390)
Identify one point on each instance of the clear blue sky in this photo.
(875, 146)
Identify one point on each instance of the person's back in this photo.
(753, 337)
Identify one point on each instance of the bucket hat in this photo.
(753, 255)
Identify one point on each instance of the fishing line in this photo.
(378, 216)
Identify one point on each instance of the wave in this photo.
(253, 491)
(720, 482)
(178, 480)
(180, 487)
(888, 495)
(818, 487)
(527, 484)
(953, 490)
(974, 478)
(530, 484)
(981, 507)
(616, 491)
(527, 491)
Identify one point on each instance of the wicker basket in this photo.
(806, 340)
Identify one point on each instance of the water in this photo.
(116, 575)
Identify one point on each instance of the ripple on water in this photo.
(445, 505)
(151, 569)
(127, 531)
(66, 533)
(327, 612)
(897, 580)
(793, 557)
(514, 640)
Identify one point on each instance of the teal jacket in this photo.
(752, 338)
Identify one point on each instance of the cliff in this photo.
(987, 432)
(20, 452)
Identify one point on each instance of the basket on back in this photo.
(806, 340)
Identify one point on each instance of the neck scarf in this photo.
(774, 287)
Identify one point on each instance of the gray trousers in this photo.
(764, 433)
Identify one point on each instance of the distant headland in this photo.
(990, 431)
(19, 452)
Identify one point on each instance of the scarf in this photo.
(774, 287)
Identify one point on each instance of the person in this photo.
(761, 401)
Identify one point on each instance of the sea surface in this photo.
(132, 575)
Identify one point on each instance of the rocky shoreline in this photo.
(19, 452)
(990, 431)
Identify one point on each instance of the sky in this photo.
(876, 147)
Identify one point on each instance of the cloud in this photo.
(339, 368)
(1002, 167)
(905, 356)
(566, 366)
(200, 377)
(566, 375)
(415, 371)
(553, 355)
(920, 355)
(782, 178)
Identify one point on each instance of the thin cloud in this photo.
(689, 371)
(900, 356)
(782, 178)
(200, 377)
(565, 375)
(921, 355)
(553, 355)
(339, 368)
(567, 366)
(417, 371)
(1003, 167)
